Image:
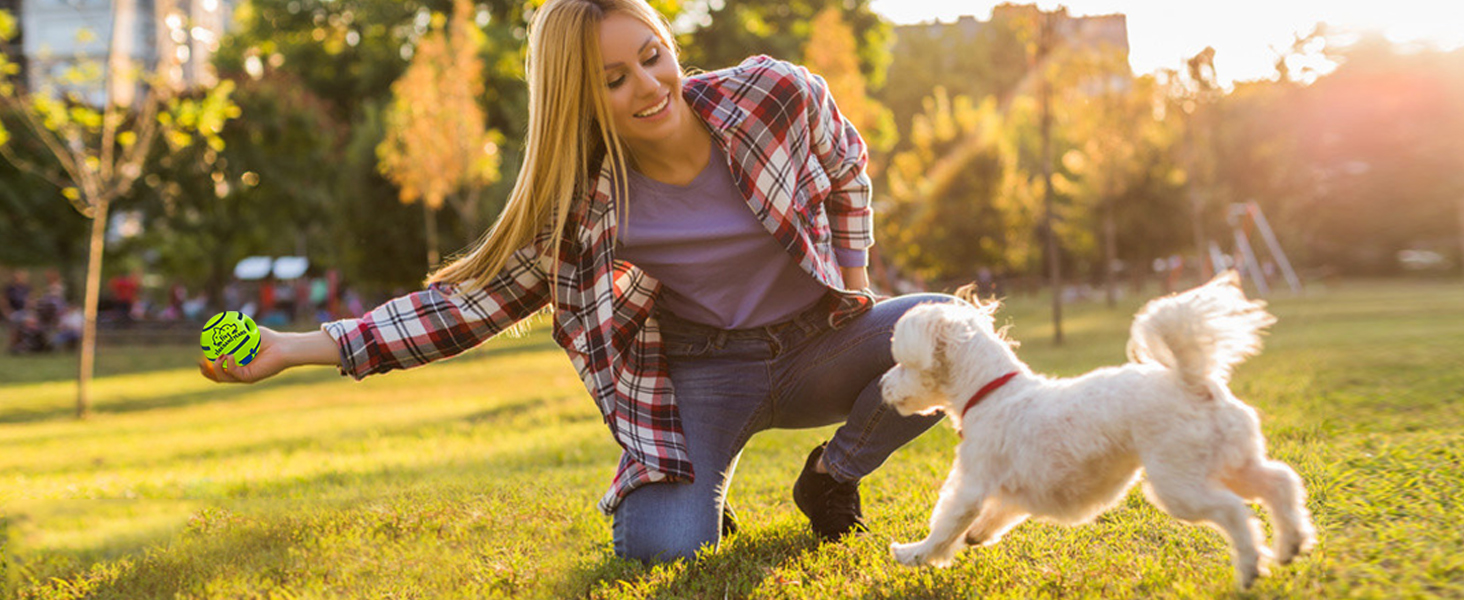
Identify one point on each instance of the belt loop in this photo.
(807, 323)
(720, 339)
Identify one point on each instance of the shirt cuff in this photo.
(349, 336)
(852, 257)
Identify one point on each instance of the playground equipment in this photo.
(1242, 217)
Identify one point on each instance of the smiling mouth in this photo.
(655, 110)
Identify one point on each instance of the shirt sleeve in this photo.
(439, 322)
(843, 154)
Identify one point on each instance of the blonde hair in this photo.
(570, 127)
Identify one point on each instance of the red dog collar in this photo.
(986, 391)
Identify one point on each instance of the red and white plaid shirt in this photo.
(800, 166)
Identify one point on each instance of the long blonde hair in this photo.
(570, 125)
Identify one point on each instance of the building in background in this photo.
(1096, 33)
(57, 36)
(1086, 32)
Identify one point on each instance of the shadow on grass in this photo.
(527, 413)
(290, 534)
(287, 533)
(214, 393)
(133, 360)
(219, 393)
(737, 569)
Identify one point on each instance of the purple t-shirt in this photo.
(716, 262)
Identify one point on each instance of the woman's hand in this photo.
(277, 352)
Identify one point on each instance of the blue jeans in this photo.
(731, 384)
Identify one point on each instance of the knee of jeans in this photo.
(660, 544)
(914, 300)
(900, 305)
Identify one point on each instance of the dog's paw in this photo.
(919, 554)
(1288, 549)
(910, 555)
(1246, 574)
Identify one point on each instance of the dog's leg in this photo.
(1196, 500)
(996, 518)
(959, 503)
(1280, 489)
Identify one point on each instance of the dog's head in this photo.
(940, 349)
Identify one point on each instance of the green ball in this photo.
(231, 333)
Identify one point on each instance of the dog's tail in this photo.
(1200, 334)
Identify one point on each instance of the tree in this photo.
(966, 60)
(437, 147)
(723, 36)
(1358, 165)
(831, 53)
(348, 53)
(100, 151)
(1109, 117)
(261, 193)
(36, 228)
(955, 197)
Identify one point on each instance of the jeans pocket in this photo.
(675, 346)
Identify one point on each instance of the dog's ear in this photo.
(921, 338)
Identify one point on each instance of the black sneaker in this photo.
(729, 519)
(831, 507)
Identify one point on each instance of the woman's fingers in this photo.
(268, 361)
(219, 370)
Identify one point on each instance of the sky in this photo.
(1243, 32)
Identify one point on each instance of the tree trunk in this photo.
(469, 210)
(1110, 252)
(89, 309)
(431, 219)
(1461, 235)
(1054, 266)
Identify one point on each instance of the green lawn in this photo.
(477, 478)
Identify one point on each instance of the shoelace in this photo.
(842, 500)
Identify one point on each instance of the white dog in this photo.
(1068, 449)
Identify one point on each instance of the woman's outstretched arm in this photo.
(412, 330)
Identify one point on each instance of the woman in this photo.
(702, 241)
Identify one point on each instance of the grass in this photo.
(476, 477)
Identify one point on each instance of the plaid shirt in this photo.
(799, 165)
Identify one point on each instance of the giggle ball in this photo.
(231, 333)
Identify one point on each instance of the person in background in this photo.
(124, 293)
(12, 306)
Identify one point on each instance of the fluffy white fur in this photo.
(1066, 450)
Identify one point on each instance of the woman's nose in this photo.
(645, 82)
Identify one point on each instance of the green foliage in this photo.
(349, 52)
(830, 53)
(38, 229)
(354, 81)
(251, 185)
(437, 148)
(988, 61)
(949, 209)
(724, 33)
(380, 240)
(476, 478)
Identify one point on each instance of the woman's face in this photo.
(642, 78)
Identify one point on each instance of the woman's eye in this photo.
(649, 62)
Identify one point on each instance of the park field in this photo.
(477, 477)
